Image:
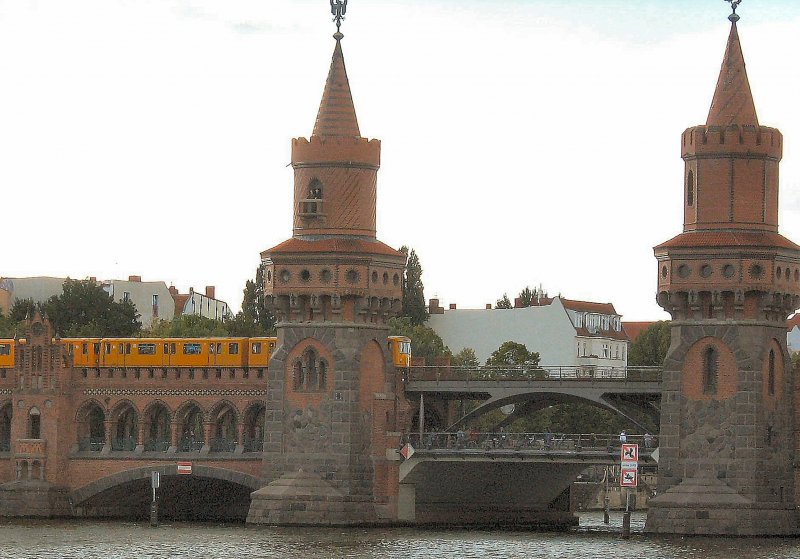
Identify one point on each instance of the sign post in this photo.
(628, 477)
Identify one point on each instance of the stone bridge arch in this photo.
(83, 494)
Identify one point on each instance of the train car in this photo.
(260, 351)
(6, 354)
(85, 352)
(400, 348)
(227, 352)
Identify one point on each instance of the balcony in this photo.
(310, 208)
(30, 448)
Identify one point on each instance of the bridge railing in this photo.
(91, 444)
(475, 441)
(523, 373)
(155, 445)
(124, 444)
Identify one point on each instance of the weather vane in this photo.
(339, 8)
(734, 4)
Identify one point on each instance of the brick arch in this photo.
(220, 406)
(693, 385)
(120, 407)
(86, 405)
(184, 407)
(96, 487)
(148, 409)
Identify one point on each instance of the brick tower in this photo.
(333, 287)
(729, 281)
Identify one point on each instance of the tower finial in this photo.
(338, 9)
(734, 4)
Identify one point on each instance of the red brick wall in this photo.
(693, 381)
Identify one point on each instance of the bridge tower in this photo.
(729, 281)
(333, 287)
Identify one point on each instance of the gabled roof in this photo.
(586, 306)
(633, 329)
(733, 100)
(337, 113)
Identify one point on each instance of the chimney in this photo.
(173, 290)
(518, 303)
(93, 279)
(488, 306)
(452, 306)
(135, 279)
(434, 308)
(211, 292)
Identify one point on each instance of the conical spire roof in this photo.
(733, 101)
(337, 114)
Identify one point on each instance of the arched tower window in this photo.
(771, 373)
(34, 424)
(690, 189)
(710, 370)
(310, 372)
(315, 190)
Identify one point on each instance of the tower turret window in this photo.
(311, 206)
(710, 370)
(690, 189)
(771, 373)
(310, 373)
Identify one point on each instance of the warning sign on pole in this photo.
(185, 468)
(629, 477)
(629, 453)
(407, 451)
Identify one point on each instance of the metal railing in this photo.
(91, 444)
(474, 441)
(253, 445)
(222, 445)
(525, 373)
(154, 445)
(190, 444)
(126, 444)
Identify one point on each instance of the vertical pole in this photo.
(155, 482)
(421, 417)
(605, 501)
(626, 518)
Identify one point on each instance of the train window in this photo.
(127, 349)
(405, 348)
(85, 348)
(219, 347)
(121, 348)
(192, 349)
(96, 348)
(172, 348)
(233, 348)
(108, 349)
(146, 349)
(166, 349)
(5, 349)
(256, 348)
(210, 348)
(169, 349)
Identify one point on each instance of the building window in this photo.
(605, 351)
(690, 189)
(126, 296)
(710, 372)
(309, 372)
(34, 424)
(771, 379)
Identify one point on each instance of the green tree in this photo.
(8, 326)
(425, 342)
(24, 308)
(513, 354)
(186, 326)
(504, 302)
(650, 348)
(529, 296)
(465, 358)
(413, 291)
(84, 309)
(255, 319)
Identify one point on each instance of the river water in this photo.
(116, 540)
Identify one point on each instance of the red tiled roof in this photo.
(633, 329)
(337, 114)
(586, 306)
(336, 246)
(793, 321)
(729, 239)
(733, 101)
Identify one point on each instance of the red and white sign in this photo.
(629, 477)
(629, 453)
(407, 451)
(185, 468)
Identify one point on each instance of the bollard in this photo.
(626, 525)
(154, 514)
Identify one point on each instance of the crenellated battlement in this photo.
(343, 150)
(753, 141)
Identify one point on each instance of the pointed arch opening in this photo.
(6, 411)
(254, 428)
(224, 423)
(191, 428)
(125, 427)
(91, 427)
(158, 429)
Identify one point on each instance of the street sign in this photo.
(629, 453)
(407, 451)
(185, 468)
(155, 479)
(629, 477)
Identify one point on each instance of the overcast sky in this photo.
(525, 142)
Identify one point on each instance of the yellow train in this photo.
(181, 352)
